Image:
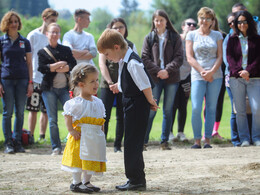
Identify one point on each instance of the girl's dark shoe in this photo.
(196, 146)
(80, 188)
(94, 188)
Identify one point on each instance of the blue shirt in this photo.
(13, 57)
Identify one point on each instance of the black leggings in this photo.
(180, 103)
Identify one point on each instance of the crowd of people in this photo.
(201, 63)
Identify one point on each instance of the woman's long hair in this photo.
(251, 31)
(163, 13)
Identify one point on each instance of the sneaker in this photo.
(171, 136)
(245, 144)
(165, 146)
(92, 187)
(9, 149)
(207, 146)
(215, 134)
(80, 188)
(257, 143)
(56, 151)
(181, 137)
(117, 149)
(19, 149)
(196, 146)
(41, 141)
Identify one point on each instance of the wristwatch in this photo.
(110, 83)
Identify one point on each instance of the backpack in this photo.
(152, 34)
(27, 139)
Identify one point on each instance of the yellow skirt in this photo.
(72, 159)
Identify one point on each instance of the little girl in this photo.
(85, 151)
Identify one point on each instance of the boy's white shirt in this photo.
(136, 70)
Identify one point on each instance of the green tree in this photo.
(100, 18)
(128, 8)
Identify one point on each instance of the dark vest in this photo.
(128, 86)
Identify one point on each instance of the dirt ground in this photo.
(221, 170)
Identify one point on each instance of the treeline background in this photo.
(138, 21)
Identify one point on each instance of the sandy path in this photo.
(221, 170)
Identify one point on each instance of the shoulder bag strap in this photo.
(50, 54)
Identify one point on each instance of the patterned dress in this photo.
(89, 152)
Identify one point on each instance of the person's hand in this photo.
(1, 90)
(61, 64)
(207, 75)
(154, 105)
(114, 88)
(65, 68)
(244, 74)
(29, 90)
(163, 74)
(75, 134)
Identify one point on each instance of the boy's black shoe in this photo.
(131, 187)
(80, 188)
(94, 188)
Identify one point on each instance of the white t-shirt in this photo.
(205, 52)
(37, 41)
(136, 70)
(80, 41)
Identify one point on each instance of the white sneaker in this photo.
(181, 137)
(171, 136)
(56, 151)
(245, 144)
(257, 143)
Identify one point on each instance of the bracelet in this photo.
(31, 82)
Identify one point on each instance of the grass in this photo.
(224, 129)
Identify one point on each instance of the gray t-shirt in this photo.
(205, 51)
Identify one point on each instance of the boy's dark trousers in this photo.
(136, 113)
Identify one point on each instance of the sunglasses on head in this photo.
(190, 23)
(242, 22)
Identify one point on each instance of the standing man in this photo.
(81, 43)
(38, 40)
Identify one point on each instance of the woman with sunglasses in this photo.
(204, 54)
(244, 63)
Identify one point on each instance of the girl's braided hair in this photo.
(79, 74)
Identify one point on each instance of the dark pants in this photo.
(180, 103)
(108, 98)
(219, 108)
(136, 113)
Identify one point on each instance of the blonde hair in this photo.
(109, 38)
(206, 11)
(6, 20)
(79, 74)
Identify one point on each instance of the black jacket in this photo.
(61, 53)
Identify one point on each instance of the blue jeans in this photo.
(240, 88)
(168, 101)
(234, 134)
(50, 99)
(199, 90)
(14, 98)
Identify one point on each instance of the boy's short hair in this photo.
(109, 38)
(79, 12)
(48, 12)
